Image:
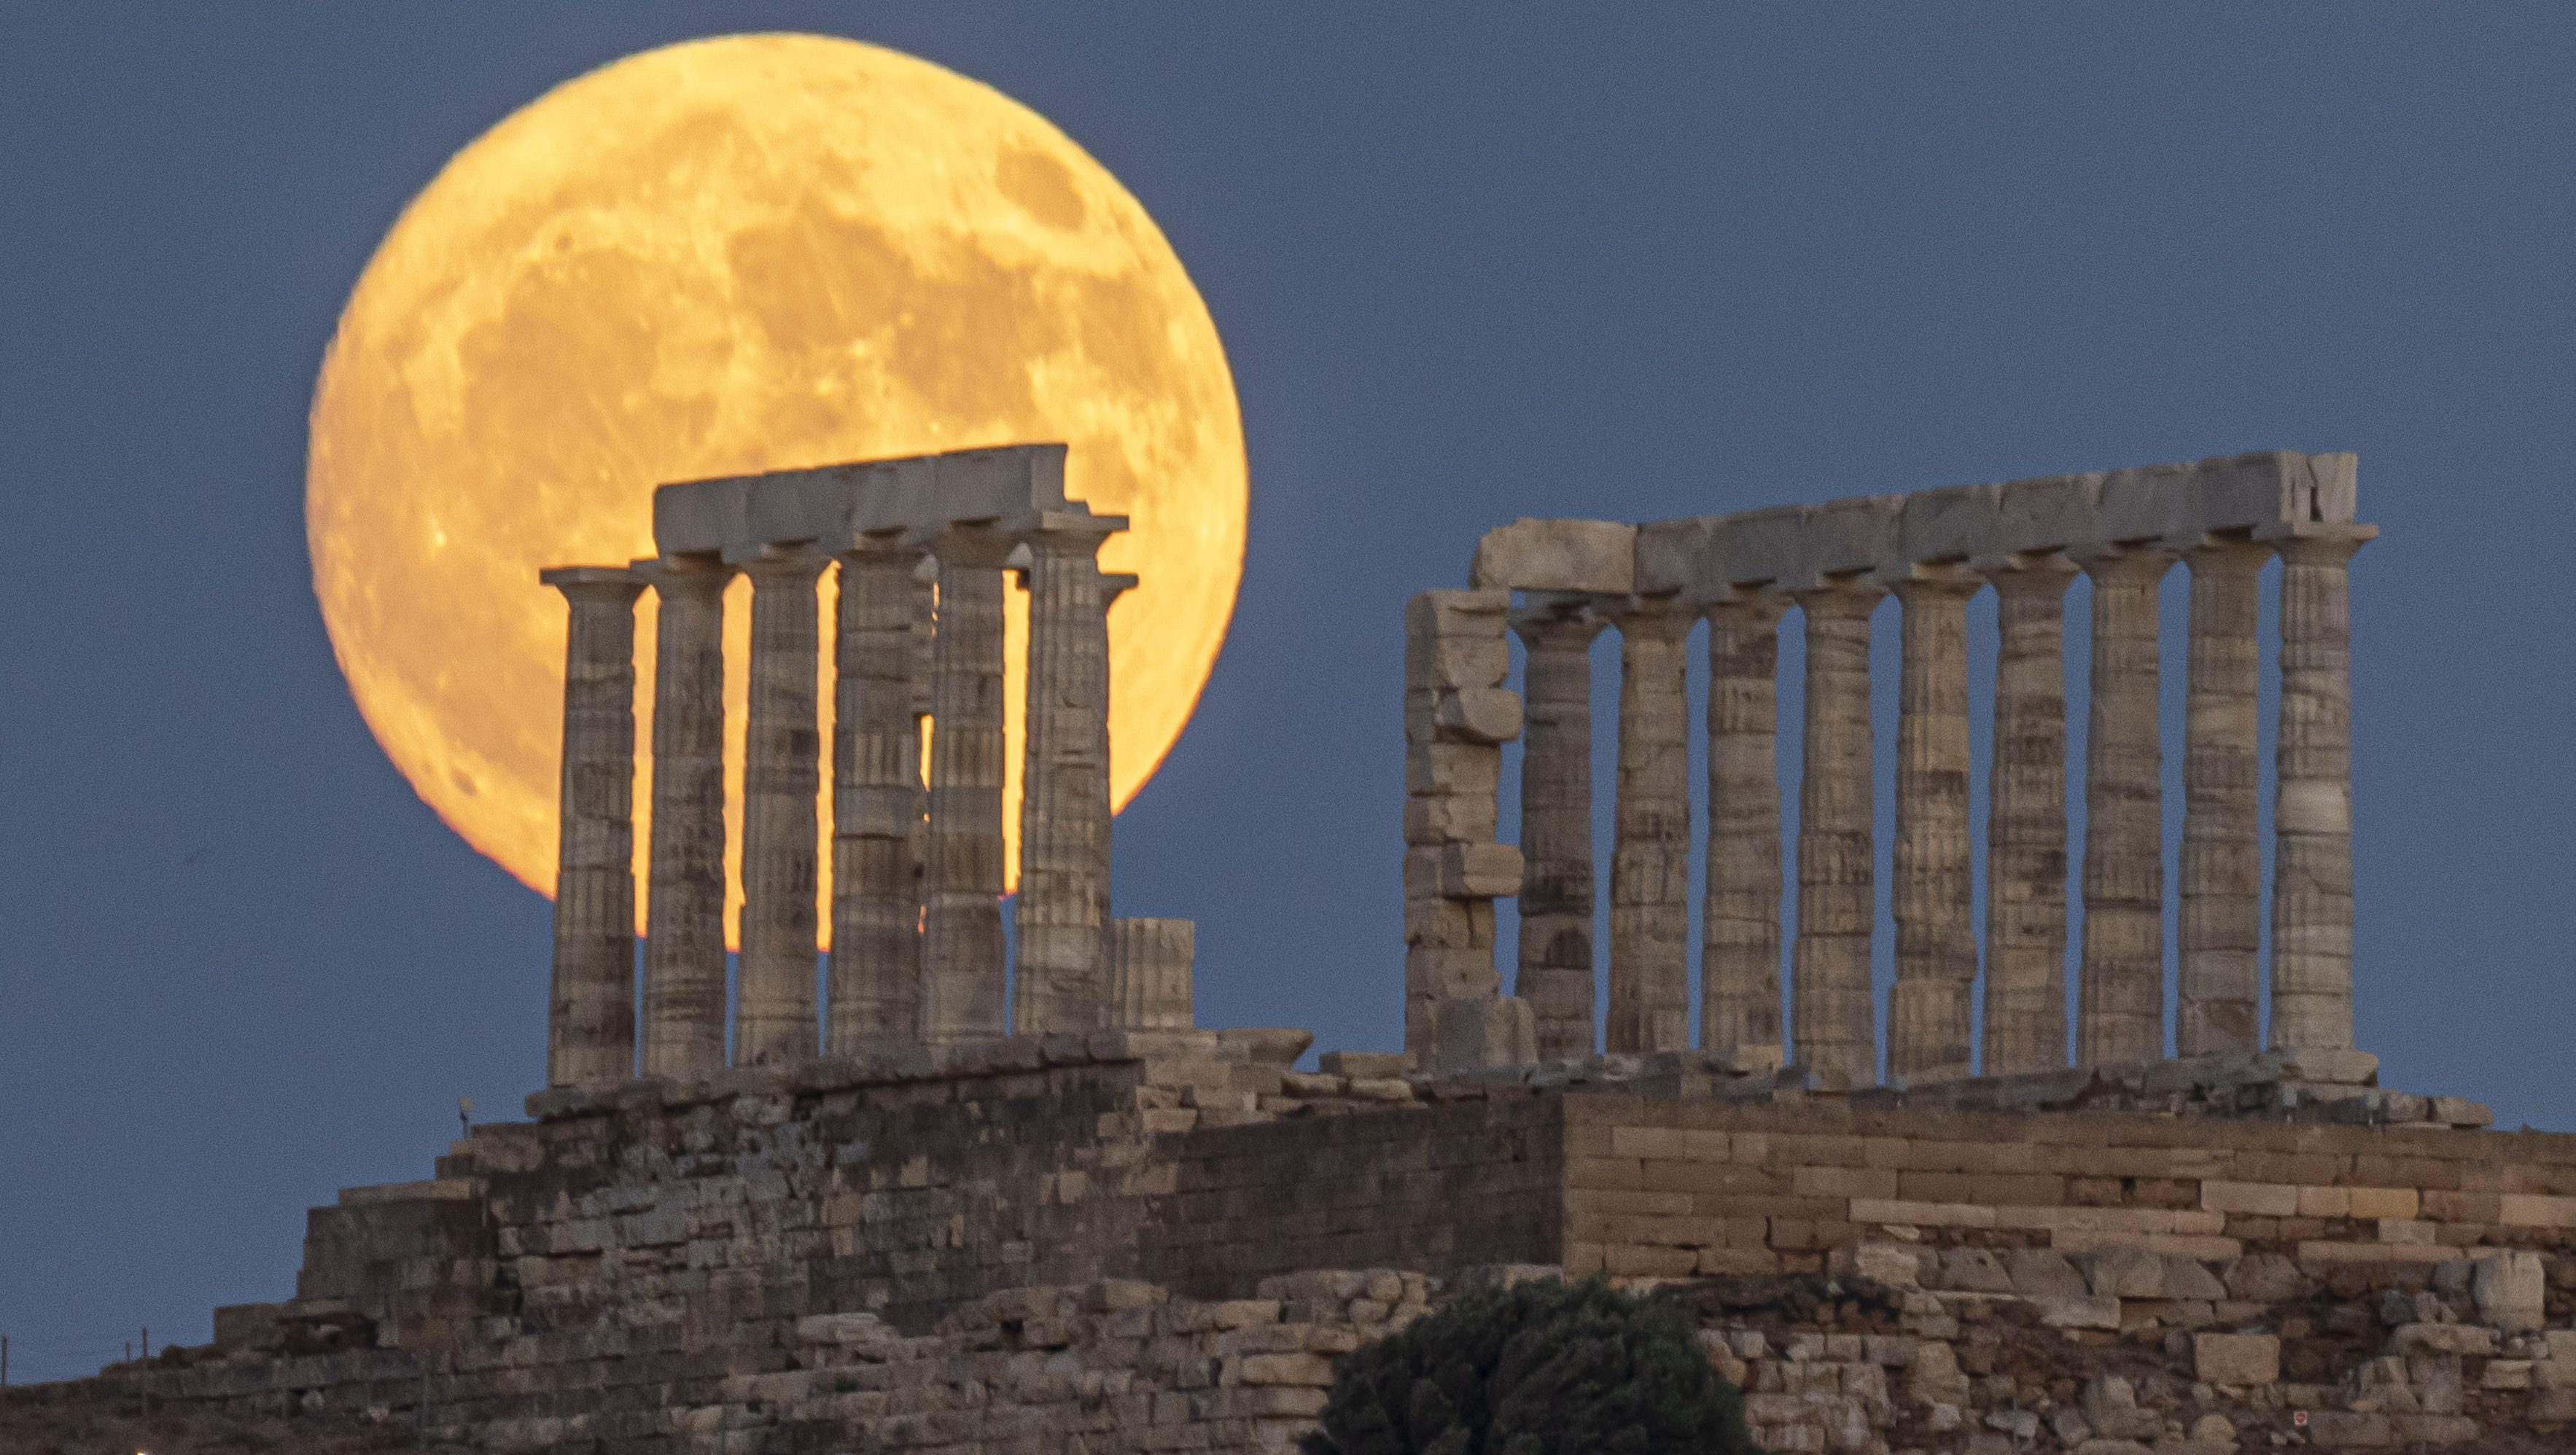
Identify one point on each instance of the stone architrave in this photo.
(2025, 1021)
(684, 933)
(2312, 807)
(774, 1023)
(2121, 983)
(1650, 835)
(590, 1025)
(1740, 914)
(1555, 953)
(1833, 1020)
(962, 949)
(2222, 851)
(1930, 1022)
(876, 805)
(1063, 912)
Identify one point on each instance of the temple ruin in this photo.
(1556, 584)
(920, 548)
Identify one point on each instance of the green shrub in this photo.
(1546, 1368)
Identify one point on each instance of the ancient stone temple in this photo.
(911, 1212)
(918, 550)
(1556, 583)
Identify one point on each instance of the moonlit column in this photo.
(2025, 1028)
(1740, 914)
(1832, 1019)
(1063, 914)
(684, 936)
(2120, 1012)
(781, 777)
(962, 950)
(1650, 845)
(876, 806)
(590, 1024)
(2222, 851)
(1930, 1010)
(1555, 974)
(2312, 812)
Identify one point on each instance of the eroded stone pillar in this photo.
(2025, 1028)
(684, 934)
(1650, 844)
(1555, 974)
(1833, 1021)
(962, 950)
(773, 1022)
(1931, 1008)
(590, 1021)
(1150, 965)
(2222, 852)
(2121, 984)
(1457, 715)
(2312, 807)
(876, 805)
(1063, 914)
(1740, 914)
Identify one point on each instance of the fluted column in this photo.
(1555, 974)
(1930, 1021)
(684, 934)
(1650, 844)
(2120, 1009)
(2222, 852)
(1833, 1020)
(2312, 809)
(773, 1021)
(876, 806)
(962, 951)
(590, 1021)
(1062, 954)
(2025, 1028)
(1740, 914)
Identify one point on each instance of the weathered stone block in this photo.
(1478, 715)
(2240, 1360)
(1595, 556)
(2511, 1288)
(1486, 1033)
(1480, 871)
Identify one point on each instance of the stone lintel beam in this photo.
(684, 932)
(590, 1023)
(774, 1020)
(834, 505)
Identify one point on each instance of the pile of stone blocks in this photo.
(1457, 716)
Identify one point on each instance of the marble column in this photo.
(2312, 807)
(1930, 1016)
(1833, 1020)
(2121, 983)
(1062, 950)
(2025, 1026)
(590, 1022)
(1740, 914)
(962, 996)
(2222, 851)
(876, 806)
(1555, 957)
(1650, 843)
(684, 933)
(773, 1020)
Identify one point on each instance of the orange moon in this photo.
(732, 255)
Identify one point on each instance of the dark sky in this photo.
(1564, 261)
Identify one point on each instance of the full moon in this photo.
(727, 256)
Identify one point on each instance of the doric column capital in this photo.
(1557, 619)
(968, 544)
(593, 583)
(1931, 580)
(1841, 596)
(2318, 545)
(2029, 573)
(2124, 560)
(785, 566)
(2223, 555)
(1114, 586)
(1663, 616)
(695, 574)
(1756, 609)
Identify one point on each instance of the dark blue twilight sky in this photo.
(1576, 260)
